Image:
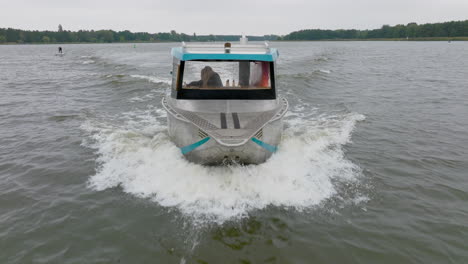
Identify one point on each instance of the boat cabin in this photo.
(224, 72)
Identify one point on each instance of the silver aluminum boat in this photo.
(223, 105)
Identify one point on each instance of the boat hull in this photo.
(199, 147)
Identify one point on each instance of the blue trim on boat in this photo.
(181, 55)
(193, 146)
(265, 145)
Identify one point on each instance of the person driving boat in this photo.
(209, 79)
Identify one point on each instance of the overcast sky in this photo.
(257, 17)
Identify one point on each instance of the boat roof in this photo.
(216, 51)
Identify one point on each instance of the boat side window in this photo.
(226, 75)
(260, 74)
(175, 73)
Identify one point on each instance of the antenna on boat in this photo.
(243, 40)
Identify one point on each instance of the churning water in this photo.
(371, 168)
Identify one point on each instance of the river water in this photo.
(373, 166)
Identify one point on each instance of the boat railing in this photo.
(219, 48)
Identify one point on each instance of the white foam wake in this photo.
(325, 71)
(88, 62)
(298, 176)
(152, 79)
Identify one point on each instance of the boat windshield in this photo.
(227, 75)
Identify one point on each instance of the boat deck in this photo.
(230, 129)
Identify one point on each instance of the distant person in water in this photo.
(60, 50)
(209, 79)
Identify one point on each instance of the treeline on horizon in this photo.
(10, 35)
(451, 29)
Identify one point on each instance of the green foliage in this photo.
(412, 30)
(108, 36)
(45, 39)
(452, 30)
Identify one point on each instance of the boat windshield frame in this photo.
(221, 93)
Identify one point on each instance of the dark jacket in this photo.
(210, 79)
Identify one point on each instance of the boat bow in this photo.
(229, 129)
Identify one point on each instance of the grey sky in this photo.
(225, 17)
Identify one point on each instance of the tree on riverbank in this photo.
(451, 29)
(11, 35)
(411, 30)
